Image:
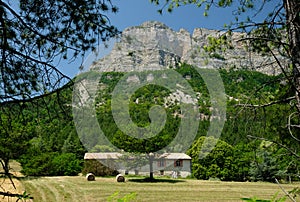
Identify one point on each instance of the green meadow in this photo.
(79, 189)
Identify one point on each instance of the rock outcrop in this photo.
(154, 46)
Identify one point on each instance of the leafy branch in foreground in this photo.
(275, 198)
(36, 35)
(23, 196)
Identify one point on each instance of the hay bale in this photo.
(90, 177)
(120, 178)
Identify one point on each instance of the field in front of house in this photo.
(72, 189)
(52, 189)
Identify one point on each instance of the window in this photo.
(161, 163)
(178, 163)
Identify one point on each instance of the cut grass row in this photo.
(79, 189)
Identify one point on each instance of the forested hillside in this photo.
(255, 143)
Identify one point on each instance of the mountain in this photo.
(155, 46)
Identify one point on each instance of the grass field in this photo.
(52, 189)
(72, 189)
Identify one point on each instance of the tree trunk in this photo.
(5, 165)
(151, 167)
(292, 9)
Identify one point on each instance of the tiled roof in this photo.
(102, 155)
(116, 155)
(175, 156)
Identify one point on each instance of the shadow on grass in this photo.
(155, 180)
(28, 178)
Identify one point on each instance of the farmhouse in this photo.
(172, 164)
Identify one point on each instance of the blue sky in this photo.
(135, 12)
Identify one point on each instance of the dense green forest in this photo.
(255, 143)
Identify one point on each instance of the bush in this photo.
(40, 165)
(51, 164)
(66, 164)
(98, 169)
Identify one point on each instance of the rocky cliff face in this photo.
(154, 46)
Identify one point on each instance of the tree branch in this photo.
(15, 195)
(275, 142)
(286, 193)
(30, 27)
(267, 104)
(39, 62)
(16, 101)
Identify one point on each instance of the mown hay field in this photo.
(52, 189)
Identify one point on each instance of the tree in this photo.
(14, 137)
(133, 161)
(215, 164)
(14, 140)
(35, 36)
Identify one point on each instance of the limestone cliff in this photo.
(154, 46)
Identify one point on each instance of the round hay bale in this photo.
(120, 178)
(90, 177)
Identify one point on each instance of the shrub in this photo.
(66, 164)
(98, 169)
(40, 165)
(51, 164)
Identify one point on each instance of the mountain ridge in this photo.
(155, 46)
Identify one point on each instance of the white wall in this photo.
(167, 168)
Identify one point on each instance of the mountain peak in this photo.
(154, 24)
